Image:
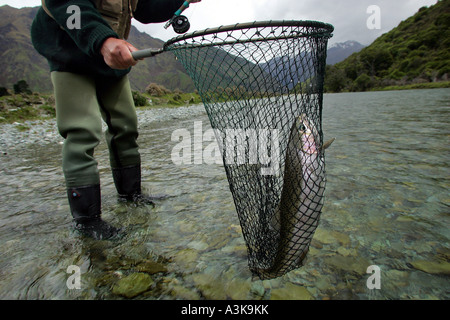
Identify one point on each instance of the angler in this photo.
(89, 66)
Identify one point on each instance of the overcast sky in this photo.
(349, 17)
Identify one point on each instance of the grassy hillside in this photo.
(414, 53)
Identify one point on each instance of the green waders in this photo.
(81, 104)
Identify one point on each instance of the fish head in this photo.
(307, 134)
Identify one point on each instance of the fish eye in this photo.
(302, 127)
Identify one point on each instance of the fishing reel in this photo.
(180, 24)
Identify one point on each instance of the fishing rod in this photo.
(179, 23)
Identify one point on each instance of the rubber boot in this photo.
(128, 184)
(85, 205)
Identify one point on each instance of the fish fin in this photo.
(327, 144)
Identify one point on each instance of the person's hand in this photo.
(117, 53)
(194, 1)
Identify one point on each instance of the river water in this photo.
(387, 205)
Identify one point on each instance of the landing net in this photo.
(262, 87)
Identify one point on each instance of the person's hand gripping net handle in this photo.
(145, 53)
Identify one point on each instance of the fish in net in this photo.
(262, 87)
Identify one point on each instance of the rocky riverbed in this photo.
(386, 205)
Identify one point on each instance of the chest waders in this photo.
(82, 102)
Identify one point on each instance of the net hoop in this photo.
(312, 29)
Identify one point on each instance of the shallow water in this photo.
(387, 204)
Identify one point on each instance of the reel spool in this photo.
(181, 24)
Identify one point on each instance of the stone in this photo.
(198, 245)
(346, 252)
(348, 264)
(432, 267)
(151, 267)
(210, 287)
(324, 284)
(219, 240)
(186, 257)
(181, 292)
(331, 237)
(257, 288)
(238, 251)
(133, 285)
(316, 244)
(444, 252)
(404, 218)
(291, 292)
(238, 289)
(395, 279)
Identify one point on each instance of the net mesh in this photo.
(261, 84)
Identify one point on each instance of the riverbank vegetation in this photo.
(20, 104)
(413, 55)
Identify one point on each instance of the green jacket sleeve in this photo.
(94, 29)
(149, 11)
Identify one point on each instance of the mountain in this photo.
(19, 60)
(416, 51)
(289, 71)
(285, 69)
(341, 51)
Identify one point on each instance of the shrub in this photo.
(139, 99)
(363, 82)
(3, 92)
(157, 90)
(335, 79)
(21, 87)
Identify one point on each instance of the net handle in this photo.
(145, 53)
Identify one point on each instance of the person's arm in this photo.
(93, 31)
(95, 36)
(149, 11)
(116, 52)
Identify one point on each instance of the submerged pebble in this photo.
(291, 292)
(432, 267)
(133, 285)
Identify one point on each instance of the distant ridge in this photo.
(341, 51)
(416, 52)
